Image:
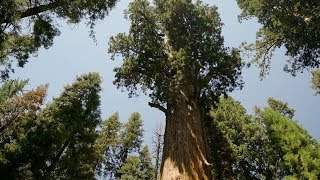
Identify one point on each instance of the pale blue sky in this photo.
(74, 53)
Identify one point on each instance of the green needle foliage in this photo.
(174, 44)
(116, 142)
(28, 25)
(174, 52)
(297, 152)
(10, 88)
(238, 143)
(293, 24)
(55, 142)
(138, 167)
(269, 145)
(300, 153)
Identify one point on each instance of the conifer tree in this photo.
(117, 141)
(54, 142)
(174, 52)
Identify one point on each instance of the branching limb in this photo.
(158, 106)
(39, 9)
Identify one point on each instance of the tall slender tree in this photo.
(117, 141)
(174, 52)
(157, 142)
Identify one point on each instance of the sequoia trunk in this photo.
(185, 154)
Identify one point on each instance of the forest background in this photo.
(75, 53)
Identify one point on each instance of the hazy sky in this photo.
(74, 53)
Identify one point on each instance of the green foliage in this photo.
(117, 141)
(316, 81)
(290, 23)
(55, 142)
(281, 107)
(70, 125)
(138, 167)
(10, 88)
(174, 45)
(18, 117)
(238, 143)
(28, 25)
(269, 145)
(299, 151)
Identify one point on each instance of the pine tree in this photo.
(299, 152)
(239, 144)
(117, 141)
(138, 167)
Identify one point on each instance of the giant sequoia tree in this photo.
(174, 52)
(28, 25)
(293, 24)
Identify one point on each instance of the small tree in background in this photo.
(117, 142)
(316, 81)
(157, 142)
(138, 167)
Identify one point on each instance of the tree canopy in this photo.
(267, 145)
(55, 141)
(290, 23)
(174, 44)
(28, 25)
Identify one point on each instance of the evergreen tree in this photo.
(117, 141)
(18, 116)
(290, 23)
(299, 152)
(138, 167)
(55, 142)
(281, 107)
(69, 128)
(10, 88)
(19, 41)
(174, 52)
(239, 144)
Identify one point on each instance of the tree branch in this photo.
(158, 106)
(39, 9)
(57, 157)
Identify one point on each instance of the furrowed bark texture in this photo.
(185, 154)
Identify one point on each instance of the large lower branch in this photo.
(158, 106)
(39, 9)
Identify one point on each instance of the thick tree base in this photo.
(185, 154)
